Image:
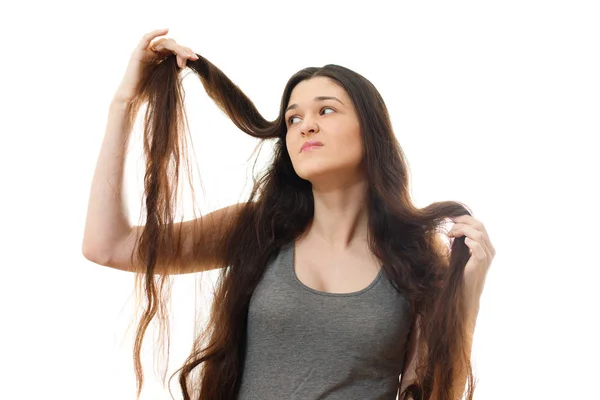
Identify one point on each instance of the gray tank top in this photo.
(304, 344)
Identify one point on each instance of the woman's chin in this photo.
(311, 174)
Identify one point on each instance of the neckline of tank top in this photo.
(291, 249)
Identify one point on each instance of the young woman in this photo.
(333, 284)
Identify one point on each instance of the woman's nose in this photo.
(309, 125)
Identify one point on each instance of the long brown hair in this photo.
(408, 240)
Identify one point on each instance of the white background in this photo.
(495, 104)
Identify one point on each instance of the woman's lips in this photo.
(309, 148)
(310, 145)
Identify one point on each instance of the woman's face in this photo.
(331, 121)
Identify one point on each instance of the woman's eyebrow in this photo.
(318, 98)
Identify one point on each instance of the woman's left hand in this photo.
(481, 250)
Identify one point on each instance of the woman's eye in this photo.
(291, 119)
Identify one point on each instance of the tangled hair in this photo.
(409, 241)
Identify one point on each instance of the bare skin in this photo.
(338, 182)
(333, 255)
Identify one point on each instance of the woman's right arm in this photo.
(109, 239)
(107, 221)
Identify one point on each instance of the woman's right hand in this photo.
(146, 53)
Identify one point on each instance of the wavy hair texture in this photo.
(408, 240)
